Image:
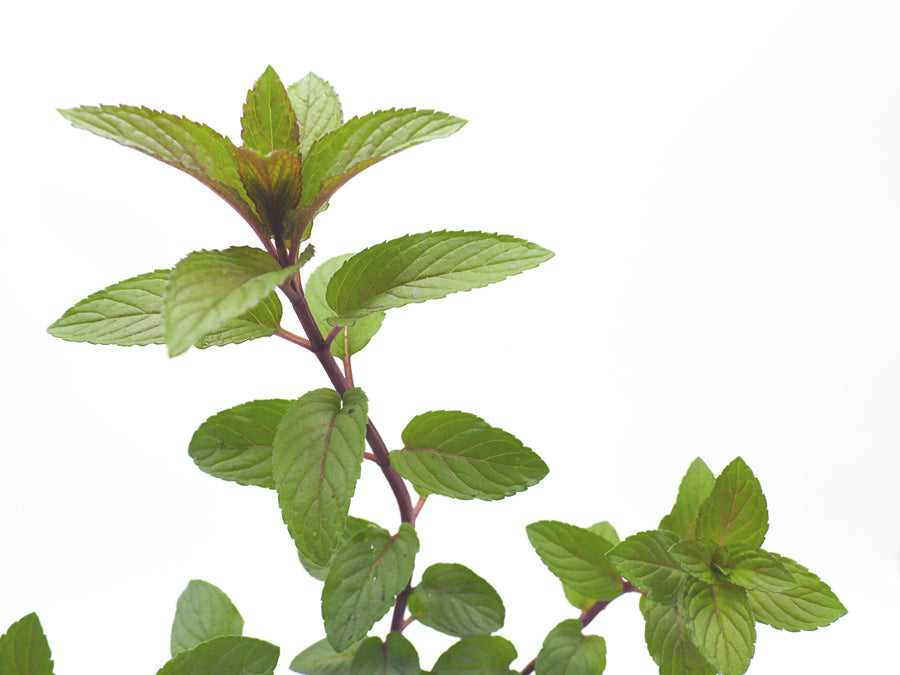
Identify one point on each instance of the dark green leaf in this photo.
(459, 455)
(394, 656)
(351, 528)
(577, 557)
(226, 655)
(483, 655)
(24, 649)
(321, 659)
(316, 461)
(668, 640)
(735, 511)
(753, 568)
(273, 184)
(721, 625)
(568, 651)
(695, 557)
(454, 600)
(203, 612)
(363, 580)
(695, 487)
(644, 560)
(810, 605)
(269, 123)
(426, 266)
(317, 107)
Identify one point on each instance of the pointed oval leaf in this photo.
(321, 659)
(226, 655)
(316, 461)
(203, 612)
(721, 625)
(269, 123)
(695, 556)
(459, 455)
(695, 487)
(735, 511)
(394, 656)
(609, 534)
(426, 266)
(273, 185)
(317, 108)
(366, 575)
(24, 649)
(482, 655)
(577, 557)
(644, 560)
(567, 650)
(454, 600)
(752, 568)
(352, 527)
(668, 640)
(260, 321)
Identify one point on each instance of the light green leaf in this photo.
(269, 123)
(577, 557)
(203, 612)
(209, 288)
(721, 625)
(273, 185)
(260, 321)
(394, 656)
(482, 655)
(453, 599)
(316, 461)
(644, 560)
(321, 659)
(352, 338)
(317, 107)
(810, 605)
(24, 649)
(194, 148)
(366, 575)
(426, 266)
(226, 655)
(351, 528)
(609, 534)
(459, 455)
(735, 511)
(695, 557)
(695, 487)
(668, 640)
(753, 568)
(568, 651)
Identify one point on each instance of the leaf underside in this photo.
(203, 612)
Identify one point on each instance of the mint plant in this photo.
(703, 578)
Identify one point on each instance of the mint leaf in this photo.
(363, 580)
(394, 656)
(317, 107)
(735, 511)
(695, 487)
(567, 651)
(668, 640)
(695, 556)
(809, 605)
(577, 557)
(194, 148)
(321, 659)
(426, 266)
(260, 321)
(353, 338)
(753, 568)
(226, 655)
(209, 288)
(269, 123)
(721, 625)
(608, 533)
(459, 455)
(453, 599)
(644, 560)
(202, 613)
(273, 185)
(236, 444)
(24, 649)
(316, 461)
(351, 528)
(483, 655)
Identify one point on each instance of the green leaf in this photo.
(394, 656)
(236, 444)
(194, 148)
(809, 605)
(753, 568)
(203, 612)
(261, 321)
(361, 142)
(316, 461)
(453, 599)
(608, 532)
(695, 556)
(365, 577)
(459, 455)
(644, 560)
(735, 511)
(317, 108)
(695, 487)
(273, 185)
(269, 123)
(24, 649)
(668, 640)
(568, 651)
(577, 557)
(226, 655)
(352, 338)
(321, 659)
(426, 266)
(351, 528)
(209, 288)
(721, 625)
(482, 655)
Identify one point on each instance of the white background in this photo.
(719, 182)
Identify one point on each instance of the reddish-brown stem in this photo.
(408, 620)
(370, 456)
(419, 504)
(291, 337)
(333, 334)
